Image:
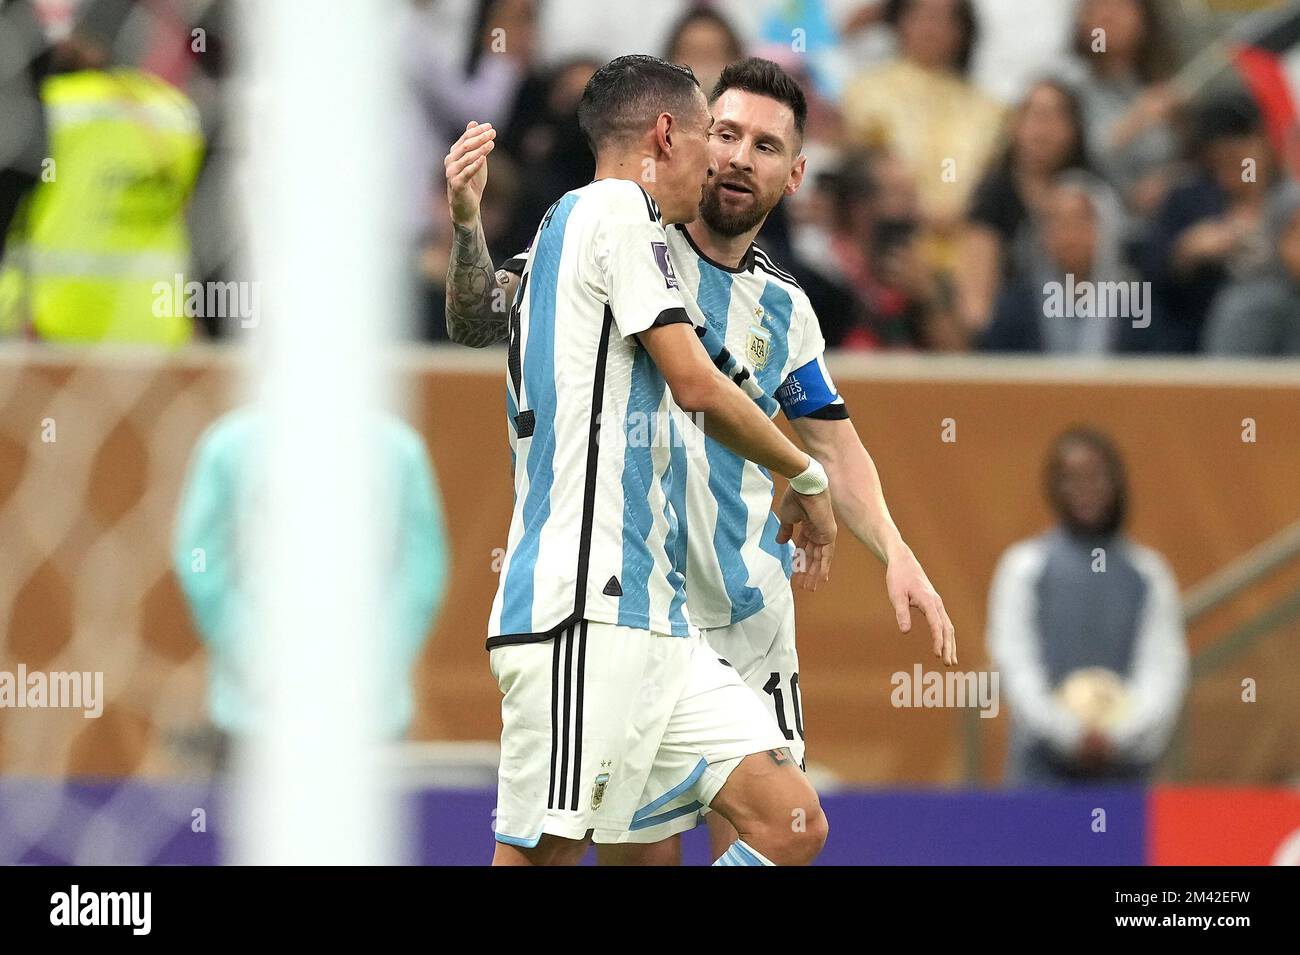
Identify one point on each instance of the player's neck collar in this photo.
(746, 260)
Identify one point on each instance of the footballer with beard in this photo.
(758, 325)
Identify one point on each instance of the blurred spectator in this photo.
(835, 220)
(210, 555)
(874, 249)
(704, 40)
(922, 107)
(542, 135)
(585, 28)
(449, 86)
(24, 60)
(216, 216)
(106, 223)
(1209, 228)
(1085, 628)
(1020, 40)
(1261, 315)
(1047, 137)
(1082, 240)
(1123, 56)
(808, 29)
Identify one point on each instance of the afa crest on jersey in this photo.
(759, 347)
(598, 790)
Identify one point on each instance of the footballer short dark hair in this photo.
(764, 78)
(624, 97)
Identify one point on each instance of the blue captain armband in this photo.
(809, 392)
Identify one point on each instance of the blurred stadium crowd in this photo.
(965, 157)
(962, 154)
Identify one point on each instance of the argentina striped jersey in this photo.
(758, 315)
(594, 531)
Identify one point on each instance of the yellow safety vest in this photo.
(104, 229)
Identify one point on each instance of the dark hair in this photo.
(1230, 113)
(1109, 452)
(702, 15)
(626, 94)
(1227, 115)
(894, 10)
(1155, 59)
(764, 78)
(1078, 157)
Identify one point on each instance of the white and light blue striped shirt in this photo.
(706, 512)
(593, 535)
(757, 314)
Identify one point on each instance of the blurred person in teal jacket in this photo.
(212, 560)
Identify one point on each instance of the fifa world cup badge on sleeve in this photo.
(665, 264)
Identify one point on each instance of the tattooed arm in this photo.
(478, 297)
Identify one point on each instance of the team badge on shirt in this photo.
(598, 790)
(759, 347)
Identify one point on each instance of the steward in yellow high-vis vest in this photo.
(106, 223)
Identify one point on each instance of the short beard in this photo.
(730, 225)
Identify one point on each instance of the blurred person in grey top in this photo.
(1077, 242)
(1124, 56)
(1085, 627)
(1260, 314)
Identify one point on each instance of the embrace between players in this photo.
(642, 633)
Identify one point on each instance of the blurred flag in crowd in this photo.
(1268, 60)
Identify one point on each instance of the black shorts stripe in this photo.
(577, 717)
(568, 684)
(555, 716)
(567, 726)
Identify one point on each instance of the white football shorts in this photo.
(760, 650)
(592, 718)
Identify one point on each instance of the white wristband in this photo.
(812, 480)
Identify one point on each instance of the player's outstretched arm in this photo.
(731, 417)
(860, 505)
(478, 296)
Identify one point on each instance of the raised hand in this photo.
(466, 168)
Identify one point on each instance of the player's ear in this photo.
(665, 130)
(796, 175)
